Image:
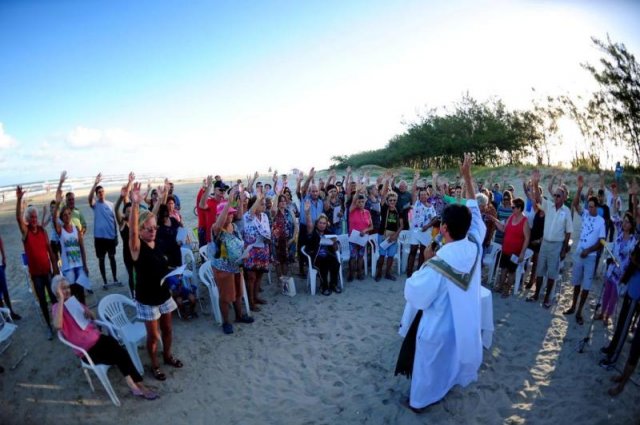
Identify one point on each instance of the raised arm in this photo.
(20, 212)
(307, 182)
(92, 192)
(478, 229)
(203, 200)
(414, 187)
(134, 233)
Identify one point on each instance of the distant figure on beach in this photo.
(441, 321)
(39, 255)
(104, 231)
(618, 172)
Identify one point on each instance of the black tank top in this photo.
(150, 268)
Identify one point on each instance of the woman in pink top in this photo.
(360, 221)
(102, 349)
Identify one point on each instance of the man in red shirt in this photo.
(39, 255)
(207, 206)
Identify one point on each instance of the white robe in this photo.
(448, 342)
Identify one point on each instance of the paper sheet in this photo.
(420, 237)
(76, 310)
(355, 238)
(328, 240)
(336, 214)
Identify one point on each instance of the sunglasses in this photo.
(557, 195)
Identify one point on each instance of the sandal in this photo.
(580, 320)
(227, 328)
(158, 374)
(546, 304)
(172, 361)
(245, 319)
(326, 291)
(147, 395)
(337, 290)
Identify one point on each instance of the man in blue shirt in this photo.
(104, 231)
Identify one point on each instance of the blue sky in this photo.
(230, 87)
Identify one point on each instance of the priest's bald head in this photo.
(456, 220)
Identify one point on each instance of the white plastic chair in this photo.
(375, 253)
(111, 310)
(520, 270)
(344, 254)
(208, 280)
(206, 277)
(490, 260)
(204, 255)
(99, 369)
(312, 275)
(404, 248)
(7, 328)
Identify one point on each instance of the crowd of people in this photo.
(250, 226)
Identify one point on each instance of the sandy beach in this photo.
(311, 360)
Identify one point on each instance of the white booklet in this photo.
(175, 272)
(328, 240)
(423, 238)
(386, 244)
(76, 310)
(336, 214)
(355, 238)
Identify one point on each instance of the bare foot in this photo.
(616, 378)
(614, 391)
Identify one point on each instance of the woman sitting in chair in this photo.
(103, 349)
(323, 256)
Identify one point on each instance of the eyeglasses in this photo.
(557, 195)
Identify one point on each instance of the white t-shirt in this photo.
(422, 214)
(593, 229)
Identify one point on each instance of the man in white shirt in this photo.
(555, 241)
(592, 234)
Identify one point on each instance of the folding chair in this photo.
(7, 328)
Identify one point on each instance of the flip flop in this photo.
(172, 361)
(546, 305)
(149, 395)
(158, 374)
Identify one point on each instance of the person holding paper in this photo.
(360, 223)
(74, 258)
(154, 303)
(391, 223)
(323, 254)
(514, 245)
(334, 210)
(81, 331)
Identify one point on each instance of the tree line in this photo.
(499, 136)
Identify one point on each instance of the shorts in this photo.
(105, 246)
(549, 259)
(583, 269)
(179, 288)
(149, 313)
(506, 263)
(391, 249)
(356, 251)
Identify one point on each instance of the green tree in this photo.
(619, 99)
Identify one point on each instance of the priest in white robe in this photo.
(448, 345)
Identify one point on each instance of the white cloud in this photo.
(84, 138)
(6, 141)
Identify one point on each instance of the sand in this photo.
(311, 360)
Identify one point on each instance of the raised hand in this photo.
(58, 196)
(535, 176)
(132, 177)
(20, 192)
(307, 206)
(63, 177)
(135, 195)
(580, 182)
(98, 179)
(124, 190)
(209, 180)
